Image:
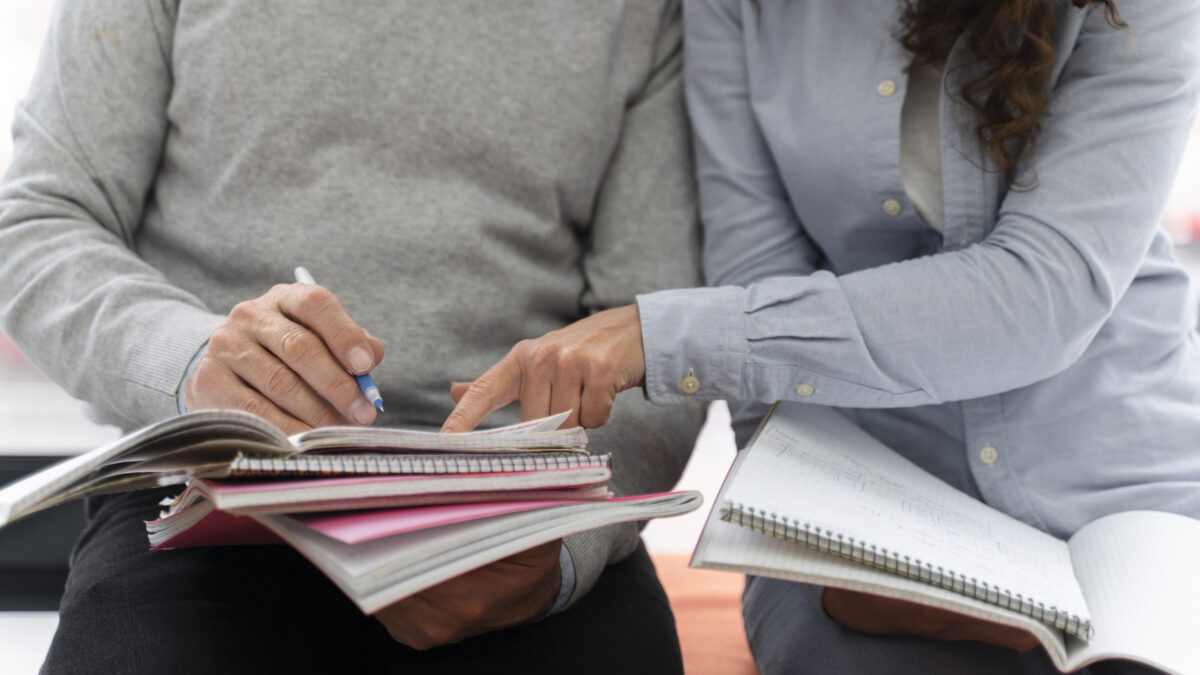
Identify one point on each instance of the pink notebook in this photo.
(353, 527)
(218, 528)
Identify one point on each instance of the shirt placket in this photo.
(969, 207)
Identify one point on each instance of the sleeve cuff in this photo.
(159, 362)
(567, 567)
(180, 398)
(694, 341)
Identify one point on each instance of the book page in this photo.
(322, 494)
(532, 435)
(1139, 571)
(72, 477)
(379, 572)
(815, 468)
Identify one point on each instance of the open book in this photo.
(814, 499)
(218, 443)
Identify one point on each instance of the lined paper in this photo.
(1140, 571)
(812, 466)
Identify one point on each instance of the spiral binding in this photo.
(823, 540)
(394, 464)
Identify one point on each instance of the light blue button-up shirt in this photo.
(1041, 353)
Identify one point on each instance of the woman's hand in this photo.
(886, 616)
(284, 356)
(580, 367)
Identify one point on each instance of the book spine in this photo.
(422, 464)
(895, 562)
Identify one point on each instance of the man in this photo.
(459, 176)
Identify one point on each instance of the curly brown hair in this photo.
(1012, 43)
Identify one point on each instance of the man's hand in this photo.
(581, 367)
(508, 592)
(284, 357)
(886, 616)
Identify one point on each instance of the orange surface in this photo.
(708, 615)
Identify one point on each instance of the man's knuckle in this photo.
(297, 344)
(438, 634)
(344, 389)
(221, 342)
(282, 383)
(312, 300)
(343, 333)
(325, 417)
(419, 643)
(244, 311)
(204, 378)
(474, 611)
(253, 404)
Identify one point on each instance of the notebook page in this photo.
(378, 557)
(725, 546)
(1139, 572)
(413, 579)
(531, 435)
(299, 495)
(811, 465)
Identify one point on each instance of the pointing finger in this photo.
(497, 387)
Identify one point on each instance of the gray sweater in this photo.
(461, 174)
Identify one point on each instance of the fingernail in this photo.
(362, 411)
(360, 360)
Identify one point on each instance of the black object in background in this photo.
(34, 551)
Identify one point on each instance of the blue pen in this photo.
(365, 383)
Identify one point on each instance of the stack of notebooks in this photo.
(384, 513)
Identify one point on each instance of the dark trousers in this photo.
(790, 633)
(259, 609)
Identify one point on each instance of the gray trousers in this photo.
(790, 633)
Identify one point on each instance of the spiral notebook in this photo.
(813, 498)
(208, 443)
(369, 464)
(296, 495)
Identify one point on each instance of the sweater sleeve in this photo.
(74, 295)
(644, 237)
(650, 446)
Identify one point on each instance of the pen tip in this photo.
(380, 406)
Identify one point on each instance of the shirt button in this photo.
(690, 384)
(892, 207)
(988, 455)
(805, 389)
(886, 88)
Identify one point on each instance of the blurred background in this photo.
(39, 423)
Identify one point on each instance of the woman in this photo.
(941, 216)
